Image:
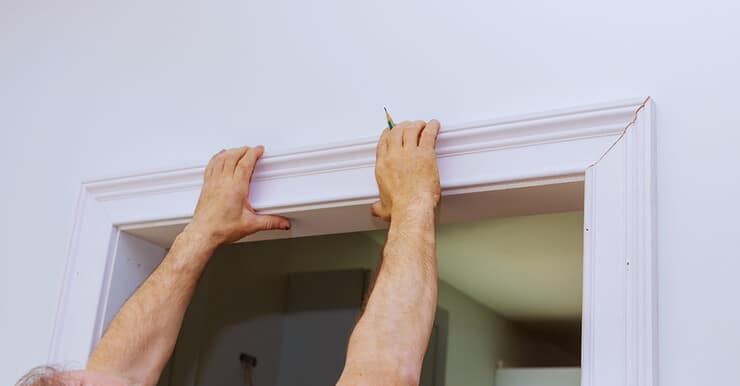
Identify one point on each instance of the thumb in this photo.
(378, 210)
(267, 222)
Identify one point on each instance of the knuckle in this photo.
(268, 224)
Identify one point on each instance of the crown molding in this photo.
(576, 134)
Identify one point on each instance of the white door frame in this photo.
(328, 190)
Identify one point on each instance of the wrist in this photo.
(189, 254)
(418, 207)
(199, 238)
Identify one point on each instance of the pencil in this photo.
(388, 117)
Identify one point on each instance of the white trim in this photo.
(534, 149)
(642, 250)
(619, 261)
(573, 137)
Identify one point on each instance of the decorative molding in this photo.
(572, 135)
(620, 291)
(536, 149)
(454, 140)
(642, 250)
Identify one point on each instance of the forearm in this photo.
(141, 337)
(391, 337)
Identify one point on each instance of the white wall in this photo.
(478, 339)
(90, 89)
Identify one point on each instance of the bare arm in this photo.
(388, 343)
(142, 335)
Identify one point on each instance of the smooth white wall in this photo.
(92, 89)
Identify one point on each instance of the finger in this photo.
(428, 139)
(395, 139)
(232, 158)
(411, 133)
(382, 147)
(218, 163)
(267, 222)
(245, 167)
(211, 163)
(378, 210)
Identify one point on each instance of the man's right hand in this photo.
(406, 168)
(223, 213)
(388, 343)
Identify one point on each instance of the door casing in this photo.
(124, 224)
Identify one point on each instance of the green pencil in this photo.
(388, 117)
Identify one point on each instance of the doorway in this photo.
(509, 299)
(510, 166)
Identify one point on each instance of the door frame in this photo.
(328, 189)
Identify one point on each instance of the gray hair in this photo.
(41, 376)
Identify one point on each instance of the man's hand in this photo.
(388, 343)
(223, 213)
(406, 168)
